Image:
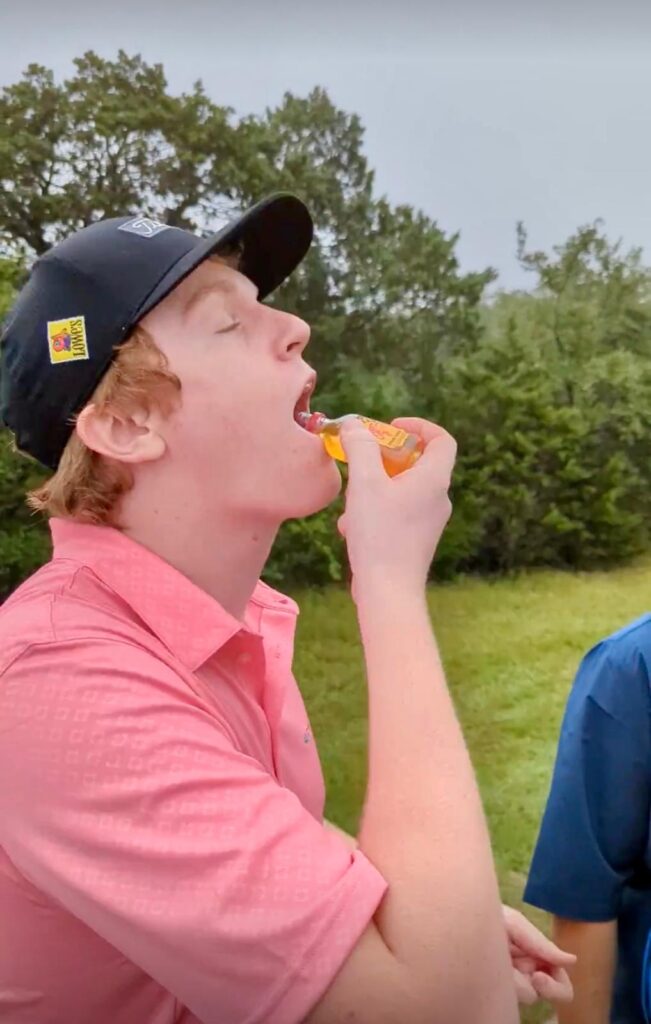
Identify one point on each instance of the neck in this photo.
(223, 555)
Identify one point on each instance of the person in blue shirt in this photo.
(591, 867)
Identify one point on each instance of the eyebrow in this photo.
(218, 288)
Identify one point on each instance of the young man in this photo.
(163, 854)
(592, 864)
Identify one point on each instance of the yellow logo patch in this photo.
(66, 339)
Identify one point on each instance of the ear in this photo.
(124, 437)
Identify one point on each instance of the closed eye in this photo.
(230, 327)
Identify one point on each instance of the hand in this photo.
(393, 525)
(538, 965)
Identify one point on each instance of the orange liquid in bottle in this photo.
(398, 448)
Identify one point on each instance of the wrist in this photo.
(379, 595)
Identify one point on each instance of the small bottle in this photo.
(398, 448)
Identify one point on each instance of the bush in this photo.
(553, 433)
(540, 482)
(308, 551)
(24, 540)
(551, 406)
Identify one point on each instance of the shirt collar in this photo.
(191, 623)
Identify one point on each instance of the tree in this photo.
(12, 272)
(390, 309)
(110, 140)
(593, 299)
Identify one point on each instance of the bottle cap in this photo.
(312, 421)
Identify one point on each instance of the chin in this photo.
(320, 490)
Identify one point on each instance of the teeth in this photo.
(302, 409)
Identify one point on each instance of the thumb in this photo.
(361, 448)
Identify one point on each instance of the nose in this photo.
(293, 335)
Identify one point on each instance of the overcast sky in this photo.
(479, 113)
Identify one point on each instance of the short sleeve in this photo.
(594, 834)
(131, 806)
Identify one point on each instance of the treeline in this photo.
(548, 391)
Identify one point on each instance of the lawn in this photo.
(510, 648)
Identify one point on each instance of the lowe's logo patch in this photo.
(66, 339)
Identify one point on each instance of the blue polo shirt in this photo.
(592, 861)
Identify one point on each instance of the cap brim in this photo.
(274, 236)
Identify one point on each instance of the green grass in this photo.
(510, 648)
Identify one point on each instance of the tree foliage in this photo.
(548, 391)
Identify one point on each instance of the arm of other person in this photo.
(595, 947)
(594, 830)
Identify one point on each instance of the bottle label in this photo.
(385, 434)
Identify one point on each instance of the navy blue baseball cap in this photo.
(86, 294)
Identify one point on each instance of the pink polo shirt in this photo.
(162, 852)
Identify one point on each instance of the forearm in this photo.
(423, 824)
(595, 946)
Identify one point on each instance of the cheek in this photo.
(234, 409)
(221, 422)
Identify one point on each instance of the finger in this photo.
(361, 448)
(428, 432)
(424, 429)
(525, 964)
(555, 987)
(341, 525)
(531, 941)
(543, 963)
(524, 990)
(440, 451)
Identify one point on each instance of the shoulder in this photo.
(634, 636)
(62, 607)
(627, 649)
(616, 672)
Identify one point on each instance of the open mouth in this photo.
(302, 411)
